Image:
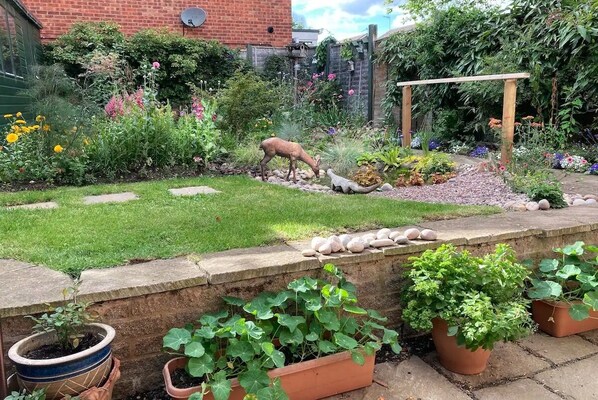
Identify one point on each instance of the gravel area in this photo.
(468, 187)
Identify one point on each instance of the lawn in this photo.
(247, 213)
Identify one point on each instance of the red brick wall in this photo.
(234, 23)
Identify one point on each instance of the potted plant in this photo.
(307, 342)
(468, 302)
(564, 291)
(69, 353)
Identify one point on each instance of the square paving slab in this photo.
(35, 206)
(193, 191)
(559, 350)
(523, 389)
(110, 198)
(577, 380)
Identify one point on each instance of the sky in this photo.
(345, 18)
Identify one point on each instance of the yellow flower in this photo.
(20, 121)
(35, 127)
(15, 129)
(46, 128)
(74, 129)
(19, 114)
(12, 137)
(58, 149)
(86, 142)
(25, 129)
(40, 118)
(8, 115)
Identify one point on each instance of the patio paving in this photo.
(556, 369)
(35, 206)
(110, 198)
(193, 191)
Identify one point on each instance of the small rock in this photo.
(345, 239)
(325, 249)
(591, 201)
(355, 246)
(368, 237)
(428, 234)
(387, 187)
(579, 202)
(308, 253)
(336, 239)
(590, 197)
(412, 233)
(532, 206)
(272, 179)
(335, 246)
(544, 204)
(382, 243)
(366, 244)
(394, 235)
(401, 240)
(317, 242)
(509, 205)
(383, 232)
(520, 207)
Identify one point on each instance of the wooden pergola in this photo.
(508, 111)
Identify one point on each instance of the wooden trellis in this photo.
(508, 111)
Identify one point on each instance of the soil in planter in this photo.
(182, 380)
(55, 351)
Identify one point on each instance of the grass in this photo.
(247, 213)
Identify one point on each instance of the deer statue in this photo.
(293, 151)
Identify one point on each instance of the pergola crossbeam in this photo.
(462, 79)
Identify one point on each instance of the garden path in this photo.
(577, 183)
(539, 367)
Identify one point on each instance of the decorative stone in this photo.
(401, 240)
(308, 253)
(412, 233)
(355, 246)
(383, 233)
(579, 202)
(520, 207)
(387, 187)
(345, 239)
(382, 243)
(590, 196)
(325, 249)
(591, 201)
(394, 235)
(544, 204)
(366, 243)
(317, 242)
(428, 234)
(336, 239)
(335, 246)
(532, 206)
(368, 237)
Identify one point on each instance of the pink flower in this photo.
(310, 84)
(214, 117)
(351, 92)
(315, 76)
(331, 77)
(155, 65)
(502, 168)
(584, 161)
(115, 107)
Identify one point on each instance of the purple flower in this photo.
(155, 65)
(433, 145)
(480, 152)
(594, 169)
(332, 131)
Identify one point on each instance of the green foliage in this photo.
(342, 156)
(538, 185)
(312, 318)
(571, 278)
(434, 163)
(67, 321)
(245, 99)
(367, 175)
(480, 298)
(276, 68)
(39, 394)
(326, 94)
(322, 52)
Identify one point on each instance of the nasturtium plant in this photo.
(572, 278)
(480, 298)
(312, 318)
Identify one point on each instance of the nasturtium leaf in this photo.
(344, 341)
(544, 290)
(254, 380)
(349, 325)
(198, 367)
(326, 347)
(292, 338)
(253, 330)
(328, 319)
(268, 348)
(591, 299)
(568, 271)
(357, 357)
(549, 265)
(332, 269)
(591, 248)
(176, 337)
(452, 330)
(579, 312)
(311, 337)
(242, 350)
(220, 386)
(396, 348)
(278, 358)
(204, 332)
(376, 315)
(372, 347)
(575, 249)
(280, 298)
(196, 396)
(213, 318)
(354, 309)
(303, 285)
(290, 321)
(274, 392)
(390, 336)
(233, 301)
(194, 349)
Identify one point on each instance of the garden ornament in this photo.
(340, 184)
(293, 151)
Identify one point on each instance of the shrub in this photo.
(435, 163)
(245, 99)
(367, 175)
(540, 185)
(276, 68)
(324, 92)
(342, 156)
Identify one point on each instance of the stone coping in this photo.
(26, 288)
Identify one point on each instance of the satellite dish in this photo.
(193, 17)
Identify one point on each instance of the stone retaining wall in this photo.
(177, 291)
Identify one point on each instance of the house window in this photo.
(5, 50)
(12, 46)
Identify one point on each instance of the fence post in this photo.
(372, 37)
(406, 116)
(508, 120)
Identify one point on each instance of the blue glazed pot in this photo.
(70, 375)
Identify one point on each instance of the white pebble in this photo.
(355, 246)
(325, 249)
(591, 201)
(383, 233)
(345, 239)
(532, 206)
(394, 235)
(382, 243)
(317, 242)
(412, 233)
(308, 253)
(544, 204)
(401, 240)
(335, 246)
(428, 234)
(579, 202)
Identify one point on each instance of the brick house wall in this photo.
(234, 23)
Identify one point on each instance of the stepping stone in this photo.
(110, 198)
(193, 191)
(523, 389)
(574, 381)
(35, 206)
(559, 350)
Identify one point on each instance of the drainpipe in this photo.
(3, 388)
(372, 37)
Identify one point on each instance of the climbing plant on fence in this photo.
(557, 42)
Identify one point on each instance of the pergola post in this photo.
(406, 116)
(508, 120)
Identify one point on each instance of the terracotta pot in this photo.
(309, 380)
(554, 319)
(454, 357)
(63, 376)
(96, 393)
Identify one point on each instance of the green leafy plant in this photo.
(390, 158)
(67, 321)
(538, 185)
(311, 319)
(367, 175)
(39, 394)
(342, 156)
(435, 163)
(572, 278)
(480, 298)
